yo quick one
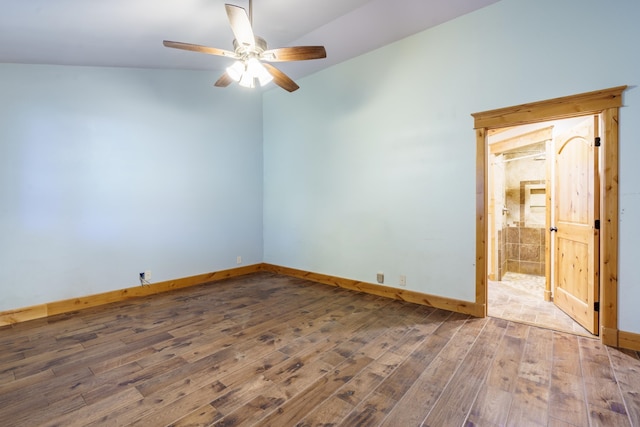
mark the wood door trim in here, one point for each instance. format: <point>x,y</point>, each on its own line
<point>609,229</point>
<point>482,212</point>
<point>521,140</point>
<point>565,107</point>
<point>547,223</point>
<point>605,102</point>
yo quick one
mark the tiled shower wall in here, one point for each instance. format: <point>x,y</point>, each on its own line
<point>525,250</point>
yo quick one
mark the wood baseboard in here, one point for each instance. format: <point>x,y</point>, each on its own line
<point>65,306</point>
<point>609,336</point>
<point>629,340</point>
<point>444,303</point>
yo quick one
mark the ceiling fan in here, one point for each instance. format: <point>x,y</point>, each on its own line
<point>252,55</point>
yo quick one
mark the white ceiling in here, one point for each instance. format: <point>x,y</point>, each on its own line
<point>129,33</point>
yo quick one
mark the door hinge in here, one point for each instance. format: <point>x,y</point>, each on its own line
<point>597,141</point>
<point>597,224</point>
<point>596,307</point>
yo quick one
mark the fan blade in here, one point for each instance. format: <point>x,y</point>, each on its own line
<point>296,53</point>
<point>281,79</point>
<point>224,80</point>
<point>241,26</point>
<point>198,48</point>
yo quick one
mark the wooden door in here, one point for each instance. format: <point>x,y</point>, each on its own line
<point>576,289</point>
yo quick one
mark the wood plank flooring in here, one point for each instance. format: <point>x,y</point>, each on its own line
<point>270,350</point>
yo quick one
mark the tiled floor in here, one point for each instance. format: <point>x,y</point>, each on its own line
<point>520,298</point>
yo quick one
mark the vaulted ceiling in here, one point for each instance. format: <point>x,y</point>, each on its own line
<point>129,33</point>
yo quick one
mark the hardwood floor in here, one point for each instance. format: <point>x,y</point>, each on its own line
<point>272,350</point>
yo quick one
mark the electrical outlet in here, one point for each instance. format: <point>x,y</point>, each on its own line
<point>380,277</point>
<point>238,259</point>
<point>403,280</point>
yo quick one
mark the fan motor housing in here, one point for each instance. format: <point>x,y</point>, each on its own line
<point>260,46</point>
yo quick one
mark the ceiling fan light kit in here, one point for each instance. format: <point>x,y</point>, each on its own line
<point>250,51</point>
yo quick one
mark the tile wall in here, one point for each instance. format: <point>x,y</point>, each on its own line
<point>525,250</point>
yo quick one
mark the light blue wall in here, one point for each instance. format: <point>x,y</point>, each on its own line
<point>371,165</point>
<point>108,172</point>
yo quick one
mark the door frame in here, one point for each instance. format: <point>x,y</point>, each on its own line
<point>605,102</point>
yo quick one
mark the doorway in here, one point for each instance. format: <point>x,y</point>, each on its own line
<point>522,260</point>
<point>606,103</point>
